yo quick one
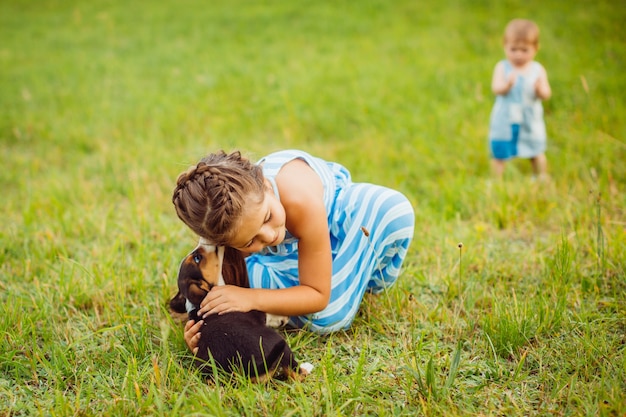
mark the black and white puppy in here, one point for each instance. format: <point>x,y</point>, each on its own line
<point>236,341</point>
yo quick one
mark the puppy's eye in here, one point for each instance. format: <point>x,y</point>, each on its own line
<point>197,258</point>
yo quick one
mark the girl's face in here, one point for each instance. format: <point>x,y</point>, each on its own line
<point>519,53</point>
<point>262,224</point>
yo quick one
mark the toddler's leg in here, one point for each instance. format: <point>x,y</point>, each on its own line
<point>540,166</point>
<point>497,167</point>
<point>503,150</point>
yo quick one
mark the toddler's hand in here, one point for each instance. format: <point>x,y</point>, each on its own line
<point>542,88</point>
<point>538,83</point>
<point>511,79</point>
<point>192,335</point>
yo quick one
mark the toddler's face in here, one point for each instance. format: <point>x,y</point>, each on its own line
<point>262,224</point>
<point>519,53</point>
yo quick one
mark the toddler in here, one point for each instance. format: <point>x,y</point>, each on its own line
<point>517,128</point>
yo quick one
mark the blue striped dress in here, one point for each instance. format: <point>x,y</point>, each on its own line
<point>370,227</point>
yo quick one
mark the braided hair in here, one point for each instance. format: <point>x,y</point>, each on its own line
<point>210,197</point>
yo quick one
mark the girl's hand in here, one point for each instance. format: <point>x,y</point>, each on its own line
<point>226,299</point>
<point>192,335</point>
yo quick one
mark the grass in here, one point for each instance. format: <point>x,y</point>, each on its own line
<point>103,103</point>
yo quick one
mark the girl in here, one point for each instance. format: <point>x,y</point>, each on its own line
<point>315,240</point>
<point>517,128</point>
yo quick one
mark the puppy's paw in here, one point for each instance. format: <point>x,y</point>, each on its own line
<point>306,368</point>
<point>276,322</point>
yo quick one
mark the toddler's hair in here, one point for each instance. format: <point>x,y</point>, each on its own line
<point>522,30</point>
<point>210,197</point>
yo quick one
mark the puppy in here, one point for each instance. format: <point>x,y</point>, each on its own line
<point>236,341</point>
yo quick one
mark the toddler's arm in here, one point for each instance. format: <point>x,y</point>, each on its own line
<point>501,84</point>
<point>542,86</point>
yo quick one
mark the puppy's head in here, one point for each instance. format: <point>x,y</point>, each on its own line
<point>200,271</point>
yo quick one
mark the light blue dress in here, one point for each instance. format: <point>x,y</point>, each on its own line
<point>516,127</point>
<point>370,229</point>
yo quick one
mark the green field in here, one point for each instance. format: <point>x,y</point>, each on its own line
<point>103,103</point>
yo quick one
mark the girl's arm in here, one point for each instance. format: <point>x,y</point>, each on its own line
<point>500,84</point>
<point>302,196</point>
<point>542,86</point>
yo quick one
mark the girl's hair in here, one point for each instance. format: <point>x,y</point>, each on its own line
<point>522,30</point>
<point>210,197</point>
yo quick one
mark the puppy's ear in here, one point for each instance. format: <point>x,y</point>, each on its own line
<point>234,269</point>
<point>177,303</point>
<point>196,293</point>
